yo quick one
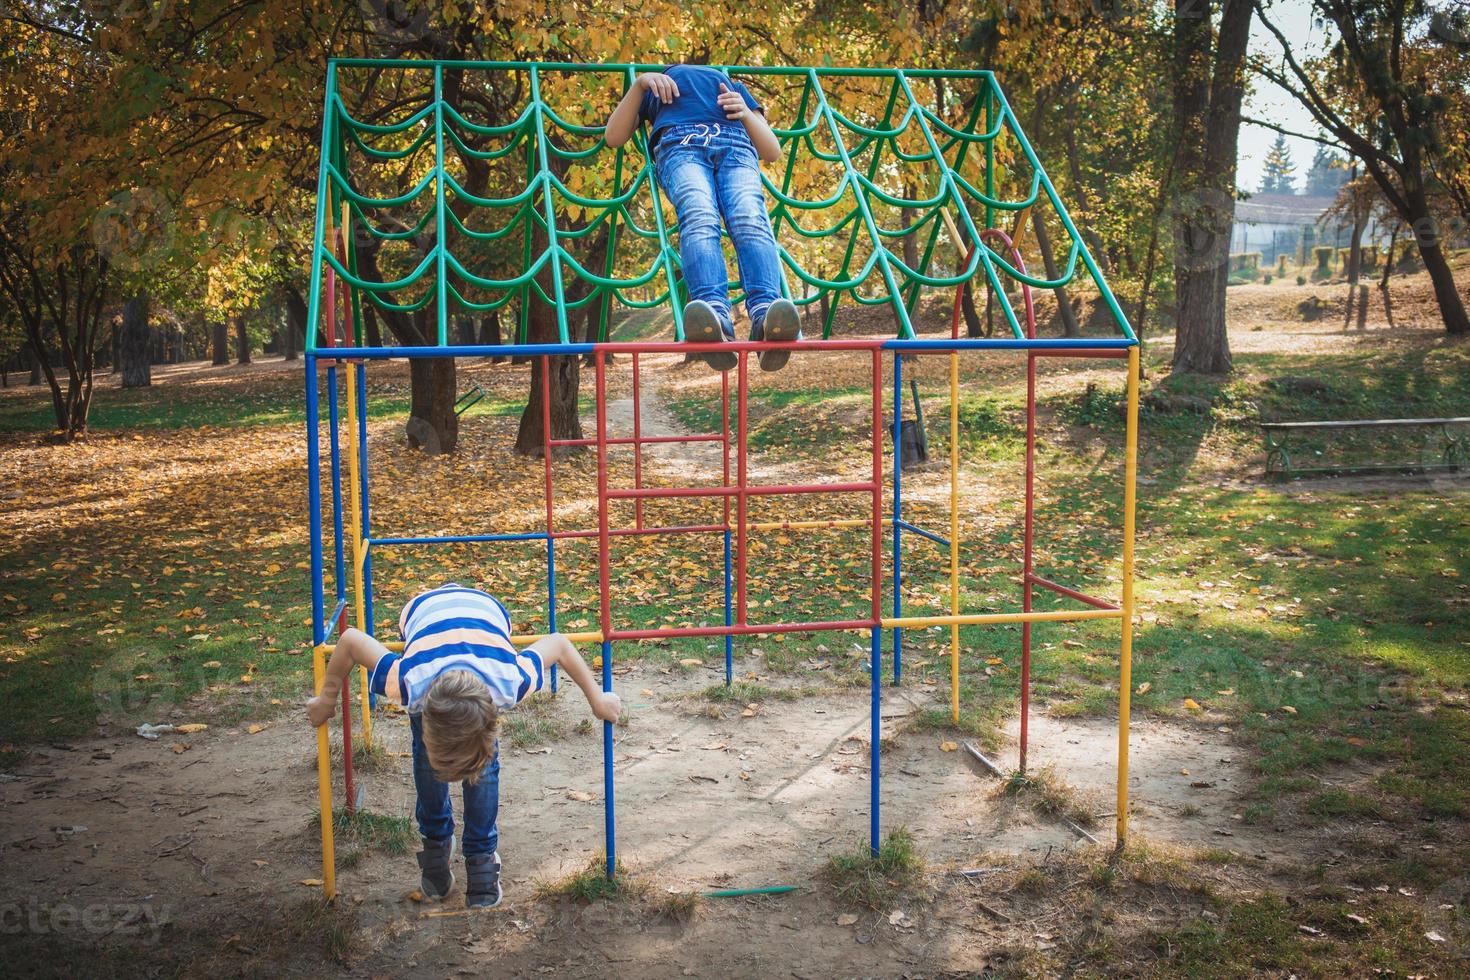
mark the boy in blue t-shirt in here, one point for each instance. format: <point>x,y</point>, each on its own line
<point>457,672</point>
<point>708,137</point>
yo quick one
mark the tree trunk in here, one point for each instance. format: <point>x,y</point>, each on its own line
<point>242,339</point>
<point>133,343</point>
<point>432,425</point>
<point>220,341</point>
<point>1430,241</point>
<point>35,377</point>
<point>490,334</point>
<point>565,381</point>
<point>1209,85</point>
<point>1070,327</point>
<point>370,325</point>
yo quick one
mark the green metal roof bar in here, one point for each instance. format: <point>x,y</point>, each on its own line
<point>1056,201</point>
<point>441,232</point>
<point>948,177</point>
<point>543,178</point>
<point>314,299</point>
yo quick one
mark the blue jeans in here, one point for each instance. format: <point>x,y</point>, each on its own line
<point>708,176</point>
<point>481,801</point>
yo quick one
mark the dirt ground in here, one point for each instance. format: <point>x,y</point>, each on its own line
<point>706,798</point>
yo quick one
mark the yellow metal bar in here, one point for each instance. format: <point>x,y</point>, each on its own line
<point>396,646</point>
<point>359,546</point>
<point>324,781</point>
<point>954,532</point>
<point>1125,669</point>
<point>984,619</point>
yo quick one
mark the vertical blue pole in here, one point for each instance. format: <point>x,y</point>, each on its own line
<point>877,720</point>
<point>897,514</point>
<point>368,624</point>
<point>609,815</point>
<point>314,499</point>
<point>551,596</point>
<point>729,639</point>
<point>336,443</point>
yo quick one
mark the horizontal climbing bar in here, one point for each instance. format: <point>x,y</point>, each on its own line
<point>985,619</point>
<point>654,493</point>
<point>396,646</point>
<point>1070,593</point>
<point>739,629</point>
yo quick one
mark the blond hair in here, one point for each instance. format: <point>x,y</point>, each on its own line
<point>460,722</point>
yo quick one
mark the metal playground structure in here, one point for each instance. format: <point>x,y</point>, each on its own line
<point>864,131</point>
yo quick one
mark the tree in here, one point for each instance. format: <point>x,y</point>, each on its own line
<point>1277,178</point>
<point>1373,92</point>
<point>1327,173</point>
<point>1208,86</point>
<point>135,343</point>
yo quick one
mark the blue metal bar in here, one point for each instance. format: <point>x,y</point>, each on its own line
<point>334,439</point>
<point>923,533</point>
<point>609,810</point>
<point>551,596</point>
<point>459,539</point>
<point>729,638</point>
<point>336,616</point>
<point>314,499</point>
<point>897,515</point>
<point>875,726</point>
<point>937,344</point>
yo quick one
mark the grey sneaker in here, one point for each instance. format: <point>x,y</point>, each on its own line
<point>702,326</point>
<point>782,325</point>
<point>436,877</point>
<point>482,885</point>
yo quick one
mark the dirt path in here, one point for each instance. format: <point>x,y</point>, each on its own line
<point>707,797</point>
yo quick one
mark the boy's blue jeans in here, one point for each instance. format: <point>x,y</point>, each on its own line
<point>436,818</point>
<point>708,175</point>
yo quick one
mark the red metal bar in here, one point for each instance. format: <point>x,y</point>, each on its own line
<point>351,801</point>
<point>1028,559</point>
<point>623,531</point>
<point>725,436</point>
<point>1081,597</point>
<point>738,492</point>
<point>604,576</point>
<point>637,446</point>
<point>546,434</point>
<point>742,392</point>
<point>877,488</point>
<point>649,441</point>
<point>736,346</point>
<point>739,629</point>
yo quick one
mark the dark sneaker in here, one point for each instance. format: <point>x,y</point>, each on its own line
<point>482,889</point>
<point>782,325</point>
<point>436,877</point>
<point>702,326</point>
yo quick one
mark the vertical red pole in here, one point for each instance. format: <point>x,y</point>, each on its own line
<point>637,446</point>
<point>741,393</point>
<point>877,612</point>
<point>546,432</point>
<point>725,433</point>
<point>1028,560</point>
<point>604,575</point>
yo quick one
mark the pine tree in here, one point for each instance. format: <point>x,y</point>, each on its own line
<point>1328,173</point>
<point>1279,168</point>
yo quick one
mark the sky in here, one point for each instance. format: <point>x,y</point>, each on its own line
<point>1266,101</point>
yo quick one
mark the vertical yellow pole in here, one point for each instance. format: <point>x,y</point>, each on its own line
<point>359,549</point>
<point>359,546</point>
<point>954,534</point>
<point>1125,670</point>
<point>324,781</point>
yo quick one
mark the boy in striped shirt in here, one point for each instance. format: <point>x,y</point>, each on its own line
<point>458,670</point>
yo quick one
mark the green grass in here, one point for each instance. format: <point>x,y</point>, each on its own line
<point>591,884</point>
<point>532,723</point>
<point>364,830</point>
<point>876,881</point>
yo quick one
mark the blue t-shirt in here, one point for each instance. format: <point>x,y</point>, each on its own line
<point>699,86</point>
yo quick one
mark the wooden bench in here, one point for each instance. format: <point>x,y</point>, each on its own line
<point>1453,450</point>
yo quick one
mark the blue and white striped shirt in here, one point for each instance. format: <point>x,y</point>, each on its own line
<point>456,628</point>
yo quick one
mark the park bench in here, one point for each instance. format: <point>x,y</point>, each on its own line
<point>1452,450</point>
